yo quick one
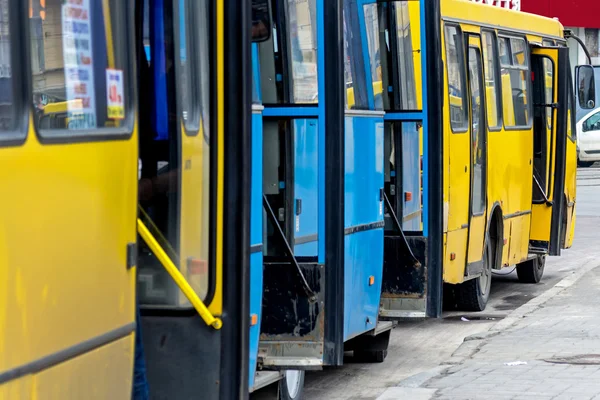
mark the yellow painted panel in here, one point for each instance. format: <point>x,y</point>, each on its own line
<point>454,270</point>
<point>506,247</point>
<point>105,373</point>
<point>519,239</point>
<point>476,238</point>
<point>18,389</point>
<point>541,231</point>
<point>570,185</point>
<point>216,306</point>
<point>67,214</point>
<point>571,227</point>
<point>414,13</point>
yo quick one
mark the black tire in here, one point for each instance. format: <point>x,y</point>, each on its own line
<point>531,271</point>
<point>291,389</point>
<point>584,164</point>
<point>370,356</point>
<point>473,294</point>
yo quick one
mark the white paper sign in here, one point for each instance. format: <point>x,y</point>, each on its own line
<point>79,65</point>
<point>115,96</point>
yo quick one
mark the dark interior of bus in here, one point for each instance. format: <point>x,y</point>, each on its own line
<point>159,140</point>
<point>542,124</point>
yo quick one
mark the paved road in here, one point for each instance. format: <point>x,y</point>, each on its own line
<point>417,347</point>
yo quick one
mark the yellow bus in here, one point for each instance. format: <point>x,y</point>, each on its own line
<point>69,245</point>
<point>509,166</point>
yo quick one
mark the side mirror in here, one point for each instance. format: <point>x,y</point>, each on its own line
<point>586,87</point>
<point>261,20</point>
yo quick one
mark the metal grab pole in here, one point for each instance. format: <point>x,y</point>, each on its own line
<point>179,279</point>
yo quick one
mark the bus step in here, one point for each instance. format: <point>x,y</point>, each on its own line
<point>265,378</point>
<point>283,363</point>
<point>382,326</point>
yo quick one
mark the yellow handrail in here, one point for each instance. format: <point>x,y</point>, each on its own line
<point>179,279</point>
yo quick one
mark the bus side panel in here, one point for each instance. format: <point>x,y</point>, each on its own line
<point>456,247</point>
<point>256,254</point>
<point>17,389</point>
<point>364,179</point>
<point>68,214</point>
<point>306,177</point>
<point>570,189</point>
<point>72,380</point>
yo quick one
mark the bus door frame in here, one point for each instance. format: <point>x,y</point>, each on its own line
<point>549,212</point>
<point>477,237</point>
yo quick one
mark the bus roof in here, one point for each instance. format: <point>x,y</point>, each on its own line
<point>501,18</point>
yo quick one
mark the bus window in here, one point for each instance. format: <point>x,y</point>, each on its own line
<point>356,88</point>
<point>372,30</point>
<point>407,57</point>
<point>456,79</point>
<point>478,135</point>
<point>7,112</point>
<point>492,88</point>
<point>289,57</point>
<point>194,74</point>
<point>78,65</point>
<point>516,101</point>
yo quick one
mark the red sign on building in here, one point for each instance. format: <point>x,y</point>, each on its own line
<point>575,13</point>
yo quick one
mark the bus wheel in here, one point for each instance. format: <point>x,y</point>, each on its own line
<point>370,356</point>
<point>291,386</point>
<point>531,271</point>
<point>473,295</point>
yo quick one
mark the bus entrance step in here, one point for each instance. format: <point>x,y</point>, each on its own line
<point>265,378</point>
<point>283,363</point>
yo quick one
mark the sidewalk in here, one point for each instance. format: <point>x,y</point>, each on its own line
<point>553,345</point>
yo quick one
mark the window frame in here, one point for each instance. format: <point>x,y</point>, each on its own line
<point>511,35</point>
<point>497,76</point>
<point>358,69</point>
<point>192,128</point>
<point>211,139</point>
<point>482,131</point>
<point>123,132</point>
<point>19,54</point>
<point>463,77</point>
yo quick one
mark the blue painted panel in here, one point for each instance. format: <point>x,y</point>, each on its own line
<point>256,289</point>
<point>424,85</point>
<point>306,175</point>
<point>363,250</point>
<point>363,258</point>
<point>364,170</point>
<point>411,176</point>
<point>256,206</point>
<point>256,236</point>
<point>306,111</point>
<point>306,249</point>
<point>160,107</point>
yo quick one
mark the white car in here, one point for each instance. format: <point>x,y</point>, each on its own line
<point>588,139</point>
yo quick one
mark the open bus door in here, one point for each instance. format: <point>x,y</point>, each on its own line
<point>551,114</point>
<point>193,256</point>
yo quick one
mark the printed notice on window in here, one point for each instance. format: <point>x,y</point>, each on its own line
<point>78,62</point>
<point>115,97</point>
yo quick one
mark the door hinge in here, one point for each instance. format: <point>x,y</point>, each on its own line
<point>131,255</point>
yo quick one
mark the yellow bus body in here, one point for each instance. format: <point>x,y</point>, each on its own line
<point>509,167</point>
